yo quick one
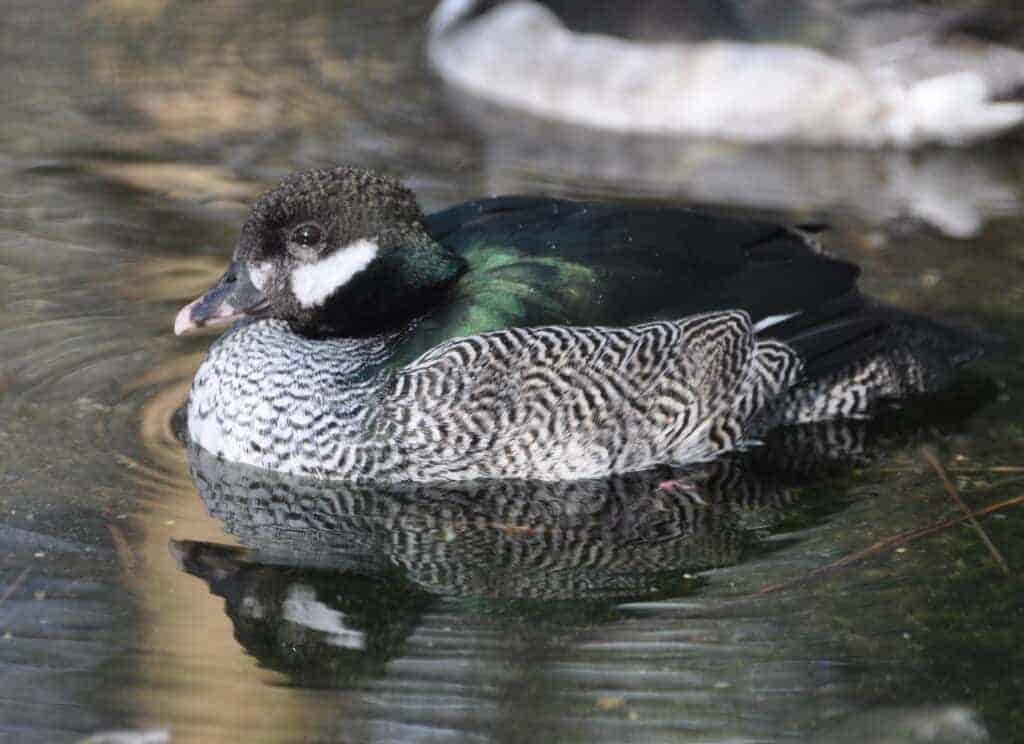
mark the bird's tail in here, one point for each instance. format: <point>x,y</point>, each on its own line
<point>855,361</point>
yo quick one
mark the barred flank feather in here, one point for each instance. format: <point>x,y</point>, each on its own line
<point>551,403</point>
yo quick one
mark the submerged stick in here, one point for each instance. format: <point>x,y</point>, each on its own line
<point>890,542</point>
<point>954,494</point>
<point>961,469</point>
<point>15,584</point>
<point>122,549</point>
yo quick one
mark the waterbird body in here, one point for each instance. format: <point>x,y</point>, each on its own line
<point>530,338</point>
<point>901,73</point>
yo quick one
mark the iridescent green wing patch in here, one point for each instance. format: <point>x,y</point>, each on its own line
<point>505,287</point>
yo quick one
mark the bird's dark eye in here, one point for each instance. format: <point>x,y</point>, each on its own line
<point>308,235</point>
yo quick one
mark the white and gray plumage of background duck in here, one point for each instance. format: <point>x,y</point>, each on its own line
<point>853,72</point>
<point>529,337</point>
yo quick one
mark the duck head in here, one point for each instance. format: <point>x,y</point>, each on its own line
<point>334,252</point>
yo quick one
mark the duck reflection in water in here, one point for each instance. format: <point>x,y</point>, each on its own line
<point>333,577</point>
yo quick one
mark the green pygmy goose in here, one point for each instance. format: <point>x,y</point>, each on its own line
<point>530,338</point>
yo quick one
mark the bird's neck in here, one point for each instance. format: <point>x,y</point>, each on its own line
<point>398,288</point>
<point>267,396</point>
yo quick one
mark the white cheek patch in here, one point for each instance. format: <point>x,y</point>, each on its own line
<point>314,283</point>
<point>259,274</point>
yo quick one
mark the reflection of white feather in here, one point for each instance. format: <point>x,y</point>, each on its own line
<point>519,54</point>
<point>303,608</point>
<point>314,283</point>
<point>954,190</point>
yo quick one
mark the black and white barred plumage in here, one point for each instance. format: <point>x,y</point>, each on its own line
<point>547,403</point>
<point>531,338</point>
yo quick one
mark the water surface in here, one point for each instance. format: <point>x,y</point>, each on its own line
<point>144,588</point>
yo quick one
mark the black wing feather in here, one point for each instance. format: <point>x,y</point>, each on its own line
<point>658,262</point>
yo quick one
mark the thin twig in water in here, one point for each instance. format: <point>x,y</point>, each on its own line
<point>122,549</point>
<point>15,584</point>
<point>954,494</point>
<point>890,542</point>
<point>965,470</point>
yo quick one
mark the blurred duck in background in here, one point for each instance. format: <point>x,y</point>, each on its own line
<point>955,191</point>
<point>864,73</point>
